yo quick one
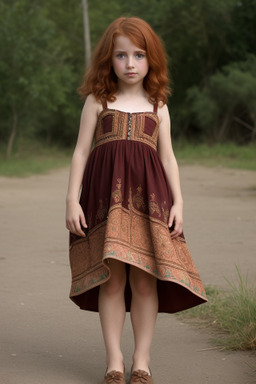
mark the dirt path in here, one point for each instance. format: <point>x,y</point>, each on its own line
<point>46,339</point>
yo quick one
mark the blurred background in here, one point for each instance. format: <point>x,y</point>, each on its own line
<point>212,64</point>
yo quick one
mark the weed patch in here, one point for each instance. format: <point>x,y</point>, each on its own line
<point>232,313</point>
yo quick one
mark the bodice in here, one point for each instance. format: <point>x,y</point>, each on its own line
<point>118,125</point>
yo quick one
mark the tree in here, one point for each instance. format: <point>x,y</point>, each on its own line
<point>225,107</point>
<point>87,39</point>
<point>31,70</point>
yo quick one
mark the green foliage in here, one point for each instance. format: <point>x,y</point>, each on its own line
<point>203,37</point>
<point>102,13</point>
<point>232,311</point>
<point>225,107</point>
<point>34,82</point>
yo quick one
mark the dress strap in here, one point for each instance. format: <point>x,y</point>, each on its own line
<point>104,103</point>
<point>155,107</point>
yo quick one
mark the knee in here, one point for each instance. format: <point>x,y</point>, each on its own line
<point>143,285</point>
<point>115,285</point>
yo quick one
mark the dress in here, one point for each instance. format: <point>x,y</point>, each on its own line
<point>126,200</point>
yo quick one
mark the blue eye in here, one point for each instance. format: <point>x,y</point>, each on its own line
<point>140,55</point>
<point>120,55</point>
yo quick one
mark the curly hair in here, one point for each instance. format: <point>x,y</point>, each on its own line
<point>100,78</point>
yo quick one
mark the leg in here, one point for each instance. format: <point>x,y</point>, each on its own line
<point>112,314</point>
<point>144,308</point>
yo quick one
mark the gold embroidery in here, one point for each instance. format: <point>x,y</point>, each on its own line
<point>153,206</point>
<point>165,212</point>
<point>138,200</point>
<point>117,194</point>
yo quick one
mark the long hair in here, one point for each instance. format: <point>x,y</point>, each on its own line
<point>100,78</point>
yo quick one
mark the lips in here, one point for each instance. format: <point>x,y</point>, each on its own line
<point>130,74</point>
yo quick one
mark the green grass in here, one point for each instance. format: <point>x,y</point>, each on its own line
<point>34,159</point>
<point>226,155</point>
<point>231,313</point>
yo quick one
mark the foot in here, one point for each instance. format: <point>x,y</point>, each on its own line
<point>142,377</point>
<point>114,377</point>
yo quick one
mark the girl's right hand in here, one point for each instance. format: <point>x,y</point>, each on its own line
<point>75,218</point>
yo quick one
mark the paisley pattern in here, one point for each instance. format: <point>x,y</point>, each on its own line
<point>126,200</point>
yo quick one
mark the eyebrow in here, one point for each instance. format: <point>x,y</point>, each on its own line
<point>122,51</point>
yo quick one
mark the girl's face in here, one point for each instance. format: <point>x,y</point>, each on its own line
<point>129,62</point>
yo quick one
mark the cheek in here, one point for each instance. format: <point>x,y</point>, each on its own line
<point>117,65</point>
<point>145,66</point>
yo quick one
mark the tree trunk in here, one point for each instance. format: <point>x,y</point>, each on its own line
<point>87,39</point>
<point>253,117</point>
<point>13,132</point>
<point>223,131</point>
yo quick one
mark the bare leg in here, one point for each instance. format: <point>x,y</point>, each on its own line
<point>144,308</point>
<point>112,314</point>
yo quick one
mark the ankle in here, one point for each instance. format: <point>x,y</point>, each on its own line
<point>115,364</point>
<point>141,363</point>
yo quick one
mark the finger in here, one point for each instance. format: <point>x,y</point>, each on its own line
<point>178,227</point>
<point>177,231</point>
<point>75,228</point>
<point>83,221</point>
<point>170,221</point>
<point>79,230</point>
<point>174,234</point>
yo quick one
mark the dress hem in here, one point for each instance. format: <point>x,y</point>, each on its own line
<point>98,284</point>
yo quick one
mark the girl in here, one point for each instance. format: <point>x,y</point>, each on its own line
<point>127,249</point>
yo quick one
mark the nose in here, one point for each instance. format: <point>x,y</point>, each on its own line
<point>130,63</point>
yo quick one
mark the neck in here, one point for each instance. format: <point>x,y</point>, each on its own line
<point>132,90</point>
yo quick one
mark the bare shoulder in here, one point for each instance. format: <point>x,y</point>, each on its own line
<point>90,113</point>
<point>163,114</point>
<point>92,105</point>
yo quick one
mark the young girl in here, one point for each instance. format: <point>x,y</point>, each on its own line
<point>124,202</point>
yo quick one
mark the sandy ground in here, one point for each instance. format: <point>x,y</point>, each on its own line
<point>45,338</point>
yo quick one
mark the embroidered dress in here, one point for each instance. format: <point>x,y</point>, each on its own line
<point>126,200</point>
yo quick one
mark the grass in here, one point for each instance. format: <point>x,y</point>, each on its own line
<point>226,155</point>
<point>34,159</point>
<point>231,313</point>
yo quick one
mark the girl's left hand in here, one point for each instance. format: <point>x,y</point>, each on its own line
<point>176,218</point>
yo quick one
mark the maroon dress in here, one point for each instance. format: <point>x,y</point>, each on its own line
<point>126,200</point>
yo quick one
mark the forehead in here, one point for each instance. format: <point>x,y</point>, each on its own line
<point>124,43</point>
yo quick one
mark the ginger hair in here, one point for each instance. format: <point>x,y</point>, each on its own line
<point>100,78</point>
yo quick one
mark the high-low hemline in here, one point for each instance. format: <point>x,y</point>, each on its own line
<point>126,200</point>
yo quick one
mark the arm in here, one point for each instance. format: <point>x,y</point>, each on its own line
<point>171,168</point>
<point>74,213</point>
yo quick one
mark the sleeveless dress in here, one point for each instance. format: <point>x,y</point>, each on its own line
<point>126,200</point>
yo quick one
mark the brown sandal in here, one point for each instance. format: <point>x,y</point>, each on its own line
<point>114,377</point>
<point>142,377</point>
